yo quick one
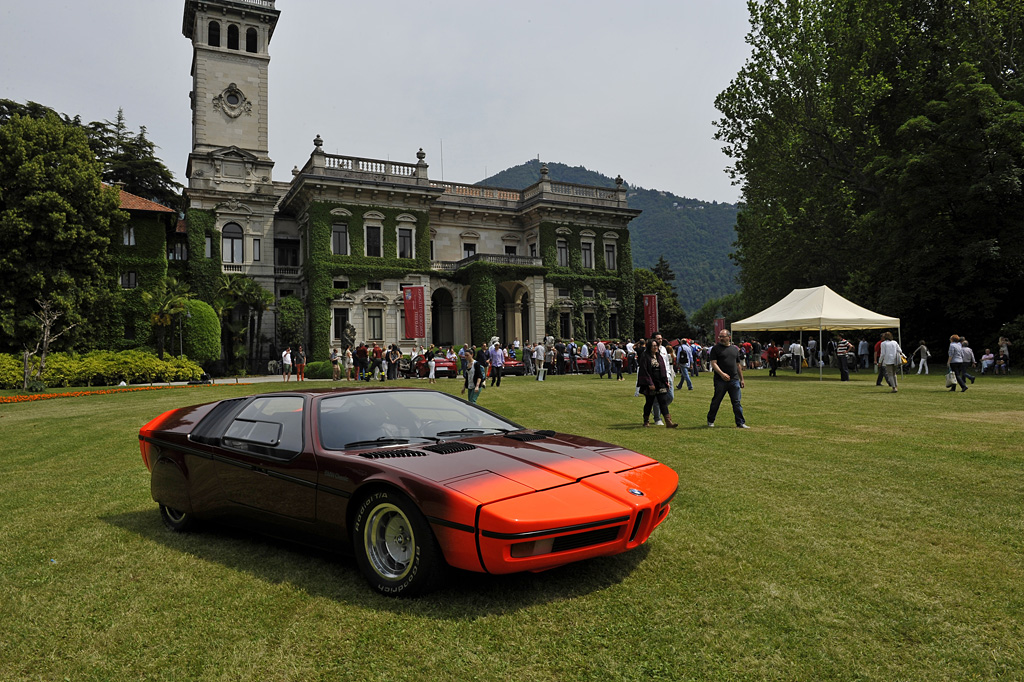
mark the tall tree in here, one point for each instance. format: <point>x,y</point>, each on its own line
<point>663,271</point>
<point>874,141</point>
<point>166,302</point>
<point>671,316</point>
<point>56,226</point>
<point>130,159</point>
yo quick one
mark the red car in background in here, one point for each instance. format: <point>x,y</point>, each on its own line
<point>585,365</point>
<point>443,367</point>
<point>514,368</point>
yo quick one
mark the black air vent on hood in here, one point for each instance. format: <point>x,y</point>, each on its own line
<point>382,454</point>
<point>449,448</point>
<point>526,436</point>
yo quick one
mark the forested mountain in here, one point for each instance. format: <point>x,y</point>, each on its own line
<point>694,236</point>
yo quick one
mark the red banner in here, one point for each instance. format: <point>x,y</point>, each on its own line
<point>650,315</point>
<point>415,316</point>
<point>719,325</point>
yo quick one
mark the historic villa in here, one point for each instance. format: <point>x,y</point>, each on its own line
<point>345,234</point>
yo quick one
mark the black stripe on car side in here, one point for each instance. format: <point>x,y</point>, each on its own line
<point>333,491</point>
<point>233,462</point>
<point>451,524</point>
<point>479,552</point>
<point>552,531</point>
<point>178,446</point>
<point>291,479</point>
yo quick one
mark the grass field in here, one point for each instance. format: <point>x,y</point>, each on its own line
<point>850,534</point>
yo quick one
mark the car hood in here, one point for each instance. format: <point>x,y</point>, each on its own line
<point>496,467</point>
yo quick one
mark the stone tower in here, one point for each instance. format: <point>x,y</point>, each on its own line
<point>229,169</point>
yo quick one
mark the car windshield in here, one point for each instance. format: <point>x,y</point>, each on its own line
<point>362,420</point>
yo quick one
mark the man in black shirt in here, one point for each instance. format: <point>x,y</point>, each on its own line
<point>559,357</point>
<point>725,367</point>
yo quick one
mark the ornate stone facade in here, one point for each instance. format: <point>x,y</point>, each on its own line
<point>345,234</point>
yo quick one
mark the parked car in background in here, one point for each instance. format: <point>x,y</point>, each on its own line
<point>443,367</point>
<point>514,368</point>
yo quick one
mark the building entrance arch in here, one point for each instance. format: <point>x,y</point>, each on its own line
<point>442,317</point>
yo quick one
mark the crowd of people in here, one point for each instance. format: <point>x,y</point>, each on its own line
<point>656,364</point>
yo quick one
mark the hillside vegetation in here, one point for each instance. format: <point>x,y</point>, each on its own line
<point>694,236</point>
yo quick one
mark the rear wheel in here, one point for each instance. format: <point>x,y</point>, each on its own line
<point>178,521</point>
<point>394,546</point>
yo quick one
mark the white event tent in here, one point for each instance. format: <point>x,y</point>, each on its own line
<point>818,308</point>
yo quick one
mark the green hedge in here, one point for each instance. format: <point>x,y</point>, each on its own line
<point>100,368</point>
<point>202,332</point>
<point>320,369</point>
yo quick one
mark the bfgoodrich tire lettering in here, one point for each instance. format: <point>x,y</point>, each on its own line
<point>394,546</point>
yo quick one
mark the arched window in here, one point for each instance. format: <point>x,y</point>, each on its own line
<point>232,37</point>
<point>213,34</point>
<point>231,244</point>
<point>250,40</point>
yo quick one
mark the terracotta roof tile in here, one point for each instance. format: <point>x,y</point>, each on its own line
<point>130,202</point>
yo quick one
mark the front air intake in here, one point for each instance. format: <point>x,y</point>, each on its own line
<point>637,524</point>
<point>591,537</point>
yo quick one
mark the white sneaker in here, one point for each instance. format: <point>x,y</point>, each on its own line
<point>742,426</point>
<point>659,423</point>
<point>711,425</point>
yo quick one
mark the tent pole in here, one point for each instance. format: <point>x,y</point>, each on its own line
<point>817,350</point>
<point>899,333</point>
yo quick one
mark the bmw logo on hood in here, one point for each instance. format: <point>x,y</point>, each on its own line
<point>634,491</point>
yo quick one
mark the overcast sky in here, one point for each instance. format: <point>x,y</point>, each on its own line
<point>619,87</point>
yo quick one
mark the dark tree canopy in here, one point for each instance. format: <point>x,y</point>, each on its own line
<point>56,226</point>
<point>671,316</point>
<point>880,148</point>
<point>131,159</point>
<point>127,158</point>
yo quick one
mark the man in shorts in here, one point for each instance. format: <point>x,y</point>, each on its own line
<point>286,363</point>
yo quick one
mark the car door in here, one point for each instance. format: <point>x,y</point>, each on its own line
<point>263,466</point>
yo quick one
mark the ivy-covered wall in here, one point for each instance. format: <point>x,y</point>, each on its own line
<point>575,277</point>
<point>202,273</point>
<point>147,258</point>
<point>321,267</point>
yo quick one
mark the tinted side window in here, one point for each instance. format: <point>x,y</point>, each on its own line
<point>270,425</point>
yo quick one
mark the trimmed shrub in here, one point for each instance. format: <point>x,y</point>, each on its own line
<point>319,370</point>
<point>202,333</point>
<point>101,368</point>
<point>10,371</point>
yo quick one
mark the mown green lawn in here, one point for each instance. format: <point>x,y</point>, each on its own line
<point>850,534</point>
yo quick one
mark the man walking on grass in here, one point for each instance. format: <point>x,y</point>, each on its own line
<point>728,374</point>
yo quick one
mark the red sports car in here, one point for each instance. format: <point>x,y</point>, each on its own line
<point>513,368</point>
<point>413,480</point>
<point>585,365</point>
<point>443,367</point>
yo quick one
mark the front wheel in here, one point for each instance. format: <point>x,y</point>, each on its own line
<point>178,521</point>
<point>394,546</point>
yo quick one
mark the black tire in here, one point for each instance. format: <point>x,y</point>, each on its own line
<point>178,521</point>
<point>394,546</point>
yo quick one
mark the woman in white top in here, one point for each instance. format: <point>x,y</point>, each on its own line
<point>348,363</point>
<point>889,357</point>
